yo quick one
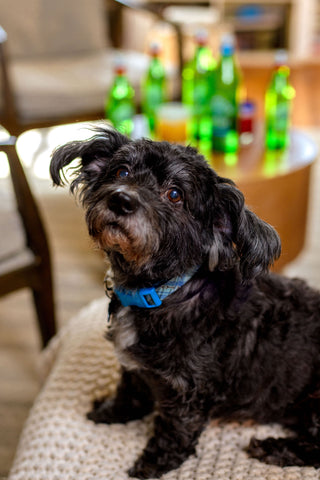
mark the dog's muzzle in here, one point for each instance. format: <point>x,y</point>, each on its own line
<point>122,202</point>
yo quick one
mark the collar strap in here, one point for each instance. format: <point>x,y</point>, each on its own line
<point>152,297</point>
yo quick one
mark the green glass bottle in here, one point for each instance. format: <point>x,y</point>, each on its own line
<point>153,90</point>
<point>197,89</point>
<point>120,107</point>
<point>278,102</point>
<point>224,102</point>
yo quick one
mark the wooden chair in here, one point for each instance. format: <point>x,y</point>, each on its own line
<point>24,251</point>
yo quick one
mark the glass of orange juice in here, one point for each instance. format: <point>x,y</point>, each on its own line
<point>172,122</point>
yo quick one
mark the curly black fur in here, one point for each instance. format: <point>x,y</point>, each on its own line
<point>235,342</point>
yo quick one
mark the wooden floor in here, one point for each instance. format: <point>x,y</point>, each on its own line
<point>79,270</point>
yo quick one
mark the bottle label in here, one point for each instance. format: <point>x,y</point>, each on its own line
<point>154,95</point>
<point>282,116</point>
<point>223,115</point>
<point>122,118</point>
<point>122,112</point>
<point>201,93</point>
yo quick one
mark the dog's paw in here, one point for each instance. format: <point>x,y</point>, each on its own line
<point>103,411</point>
<point>275,451</point>
<point>144,470</point>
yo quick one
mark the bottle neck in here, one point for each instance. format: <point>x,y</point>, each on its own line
<point>199,53</point>
<point>228,71</point>
<point>120,74</point>
<point>282,70</point>
<point>227,56</point>
<point>281,76</point>
<point>155,57</point>
<point>120,70</point>
<point>204,61</point>
<point>155,61</point>
<point>156,68</point>
<point>122,88</point>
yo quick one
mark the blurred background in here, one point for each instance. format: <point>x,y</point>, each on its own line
<point>57,70</point>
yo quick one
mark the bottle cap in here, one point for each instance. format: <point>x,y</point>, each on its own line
<point>281,58</point>
<point>201,37</point>
<point>155,49</point>
<point>227,44</point>
<point>119,66</point>
<point>247,108</point>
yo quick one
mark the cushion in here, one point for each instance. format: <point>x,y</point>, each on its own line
<point>58,442</point>
<point>71,85</point>
<point>47,28</point>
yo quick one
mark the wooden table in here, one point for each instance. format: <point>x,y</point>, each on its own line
<point>276,186</point>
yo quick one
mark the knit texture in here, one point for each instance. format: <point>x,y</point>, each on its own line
<point>59,443</point>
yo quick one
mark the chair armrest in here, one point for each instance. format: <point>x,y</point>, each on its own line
<point>8,114</point>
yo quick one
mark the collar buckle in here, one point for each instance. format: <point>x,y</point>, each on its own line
<point>143,298</point>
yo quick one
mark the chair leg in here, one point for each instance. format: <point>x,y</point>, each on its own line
<point>44,302</point>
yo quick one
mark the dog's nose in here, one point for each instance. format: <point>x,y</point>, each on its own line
<point>122,203</point>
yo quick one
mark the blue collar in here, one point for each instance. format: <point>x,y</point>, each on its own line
<point>152,297</point>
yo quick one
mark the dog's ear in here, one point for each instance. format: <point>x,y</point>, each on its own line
<point>241,236</point>
<point>93,154</point>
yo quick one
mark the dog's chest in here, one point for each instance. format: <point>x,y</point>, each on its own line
<point>123,334</point>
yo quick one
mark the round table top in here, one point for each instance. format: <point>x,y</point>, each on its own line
<point>275,183</point>
<point>249,164</point>
<point>254,162</point>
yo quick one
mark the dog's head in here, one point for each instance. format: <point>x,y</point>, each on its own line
<point>158,209</point>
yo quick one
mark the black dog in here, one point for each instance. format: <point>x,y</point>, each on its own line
<point>200,326</point>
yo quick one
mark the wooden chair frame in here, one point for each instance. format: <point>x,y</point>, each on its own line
<point>36,272</point>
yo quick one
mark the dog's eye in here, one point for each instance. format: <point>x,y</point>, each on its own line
<point>122,172</point>
<point>174,195</point>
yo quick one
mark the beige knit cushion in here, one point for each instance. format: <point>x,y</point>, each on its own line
<point>59,443</point>
<point>46,28</point>
<point>71,85</point>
